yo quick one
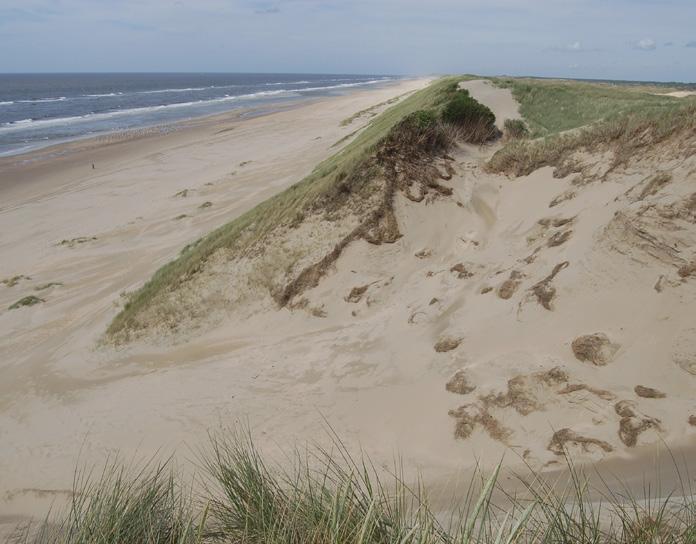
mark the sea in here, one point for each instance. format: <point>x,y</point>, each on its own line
<point>38,110</point>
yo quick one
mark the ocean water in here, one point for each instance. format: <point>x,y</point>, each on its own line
<point>37,110</point>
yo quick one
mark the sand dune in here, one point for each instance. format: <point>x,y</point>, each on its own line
<point>513,317</point>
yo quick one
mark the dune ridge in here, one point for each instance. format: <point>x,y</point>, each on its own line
<point>536,310</point>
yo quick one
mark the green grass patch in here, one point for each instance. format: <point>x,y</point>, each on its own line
<point>553,106</point>
<point>624,133</point>
<point>29,300</point>
<point>14,280</point>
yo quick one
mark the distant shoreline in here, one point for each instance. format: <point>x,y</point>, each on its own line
<point>12,163</point>
<point>63,108</point>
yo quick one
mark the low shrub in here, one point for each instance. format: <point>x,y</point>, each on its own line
<point>418,132</point>
<point>463,111</point>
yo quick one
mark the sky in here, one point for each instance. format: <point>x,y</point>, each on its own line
<point>649,40</point>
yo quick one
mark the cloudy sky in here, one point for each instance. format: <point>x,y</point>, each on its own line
<point>617,39</point>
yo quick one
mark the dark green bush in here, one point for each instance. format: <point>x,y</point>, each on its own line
<point>463,111</point>
<point>422,119</point>
<point>418,132</point>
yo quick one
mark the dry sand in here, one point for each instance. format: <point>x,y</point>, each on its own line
<point>680,94</point>
<point>534,353</point>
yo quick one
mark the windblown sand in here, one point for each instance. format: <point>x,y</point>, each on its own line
<point>562,312</point>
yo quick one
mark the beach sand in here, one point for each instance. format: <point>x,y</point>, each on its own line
<point>469,339</point>
<point>100,232</point>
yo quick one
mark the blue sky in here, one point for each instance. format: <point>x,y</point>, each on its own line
<point>617,39</point>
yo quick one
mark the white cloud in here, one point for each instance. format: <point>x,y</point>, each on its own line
<point>646,44</point>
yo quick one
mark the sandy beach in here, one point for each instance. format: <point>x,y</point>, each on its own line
<point>514,318</point>
<point>62,397</point>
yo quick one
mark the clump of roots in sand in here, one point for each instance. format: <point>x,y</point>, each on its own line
<point>574,387</point>
<point>461,271</point>
<point>632,425</point>
<point>649,392</point>
<point>687,270</point>
<point>594,348</point>
<point>521,395</point>
<point>509,286</point>
<point>544,290</point>
<point>471,416</point>
<point>447,343</point>
<point>459,384</point>
<point>560,440</point>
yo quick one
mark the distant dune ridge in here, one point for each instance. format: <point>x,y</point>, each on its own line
<point>448,292</point>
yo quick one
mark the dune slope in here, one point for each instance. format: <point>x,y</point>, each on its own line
<point>541,313</point>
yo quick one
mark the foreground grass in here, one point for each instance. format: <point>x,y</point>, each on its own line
<point>330,497</point>
<point>122,505</point>
<point>316,192</point>
<point>553,106</point>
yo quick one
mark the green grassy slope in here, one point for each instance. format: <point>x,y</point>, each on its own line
<point>553,106</point>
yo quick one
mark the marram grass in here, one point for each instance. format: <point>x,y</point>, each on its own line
<point>331,497</point>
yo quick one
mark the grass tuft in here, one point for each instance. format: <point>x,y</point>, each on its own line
<point>121,506</point>
<point>516,129</point>
<point>29,300</point>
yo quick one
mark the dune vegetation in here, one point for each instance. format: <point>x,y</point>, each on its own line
<point>333,497</point>
<point>623,133</point>
<point>329,496</point>
<point>553,106</point>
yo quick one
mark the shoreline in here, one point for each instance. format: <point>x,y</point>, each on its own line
<point>236,113</point>
<point>19,169</point>
<point>93,235</point>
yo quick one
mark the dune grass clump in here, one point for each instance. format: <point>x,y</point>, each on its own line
<point>329,496</point>
<point>516,129</point>
<point>121,505</point>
